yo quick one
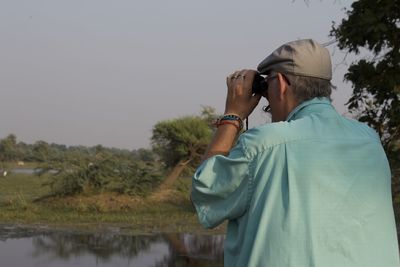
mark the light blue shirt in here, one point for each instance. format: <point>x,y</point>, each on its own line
<point>313,191</point>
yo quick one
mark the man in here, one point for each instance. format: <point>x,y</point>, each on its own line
<point>310,189</point>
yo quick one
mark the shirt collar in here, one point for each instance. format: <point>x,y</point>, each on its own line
<point>305,107</point>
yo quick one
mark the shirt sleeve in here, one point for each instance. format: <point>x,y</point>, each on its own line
<point>220,188</point>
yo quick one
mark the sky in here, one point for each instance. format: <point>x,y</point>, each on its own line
<point>88,72</point>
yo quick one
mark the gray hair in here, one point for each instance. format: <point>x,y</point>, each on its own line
<point>306,88</point>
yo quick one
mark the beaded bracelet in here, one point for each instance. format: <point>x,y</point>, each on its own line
<point>228,122</point>
<point>230,118</point>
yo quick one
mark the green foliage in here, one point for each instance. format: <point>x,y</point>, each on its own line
<point>41,150</point>
<point>77,169</point>
<point>8,148</point>
<point>143,154</point>
<point>137,178</point>
<point>375,26</point>
<point>183,139</point>
<point>103,173</point>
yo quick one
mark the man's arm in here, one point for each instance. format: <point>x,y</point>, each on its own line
<point>222,141</point>
<point>239,102</point>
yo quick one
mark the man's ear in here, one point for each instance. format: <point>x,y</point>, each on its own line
<point>282,86</point>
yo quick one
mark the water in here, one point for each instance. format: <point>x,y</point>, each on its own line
<point>28,171</point>
<point>34,247</point>
<point>24,171</point>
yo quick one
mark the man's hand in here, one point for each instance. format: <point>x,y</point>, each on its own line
<point>240,100</point>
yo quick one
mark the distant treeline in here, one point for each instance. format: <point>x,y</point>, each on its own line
<point>78,169</point>
<point>177,147</point>
<point>11,151</point>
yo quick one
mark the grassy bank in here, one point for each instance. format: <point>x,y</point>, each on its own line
<point>171,213</point>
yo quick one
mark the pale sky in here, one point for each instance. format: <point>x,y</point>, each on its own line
<point>88,72</point>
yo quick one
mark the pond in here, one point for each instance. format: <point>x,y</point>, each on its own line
<point>39,246</point>
<point>28,171</point>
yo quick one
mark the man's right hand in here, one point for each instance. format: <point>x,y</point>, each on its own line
<point>240,100</point>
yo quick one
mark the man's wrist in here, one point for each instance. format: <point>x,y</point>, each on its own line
<point>236,124</point>
<point>232,119</point>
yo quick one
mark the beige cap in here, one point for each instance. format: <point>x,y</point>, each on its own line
<point>302,57</point>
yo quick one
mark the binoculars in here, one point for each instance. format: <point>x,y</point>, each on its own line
<point>259,84</point>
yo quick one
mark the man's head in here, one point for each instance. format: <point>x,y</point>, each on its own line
<point>297,71</point>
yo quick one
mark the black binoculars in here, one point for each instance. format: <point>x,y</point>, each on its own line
<point>259,84</point>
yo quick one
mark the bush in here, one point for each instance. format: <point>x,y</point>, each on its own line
<point>104,174</point>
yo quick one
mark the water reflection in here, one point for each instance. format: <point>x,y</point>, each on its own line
<point>43,247</point>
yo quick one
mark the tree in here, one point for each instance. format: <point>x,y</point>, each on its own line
<point>143,154</point>
<point>181,142</point>
<point>41,151</point>
<point>375,26</point>
<point>8,148</point>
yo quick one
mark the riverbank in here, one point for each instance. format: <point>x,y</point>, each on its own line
<point>148,218</point>
<point>19,204</point>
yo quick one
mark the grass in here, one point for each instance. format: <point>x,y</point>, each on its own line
<point>25,186</point>
<point>18,193</point>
